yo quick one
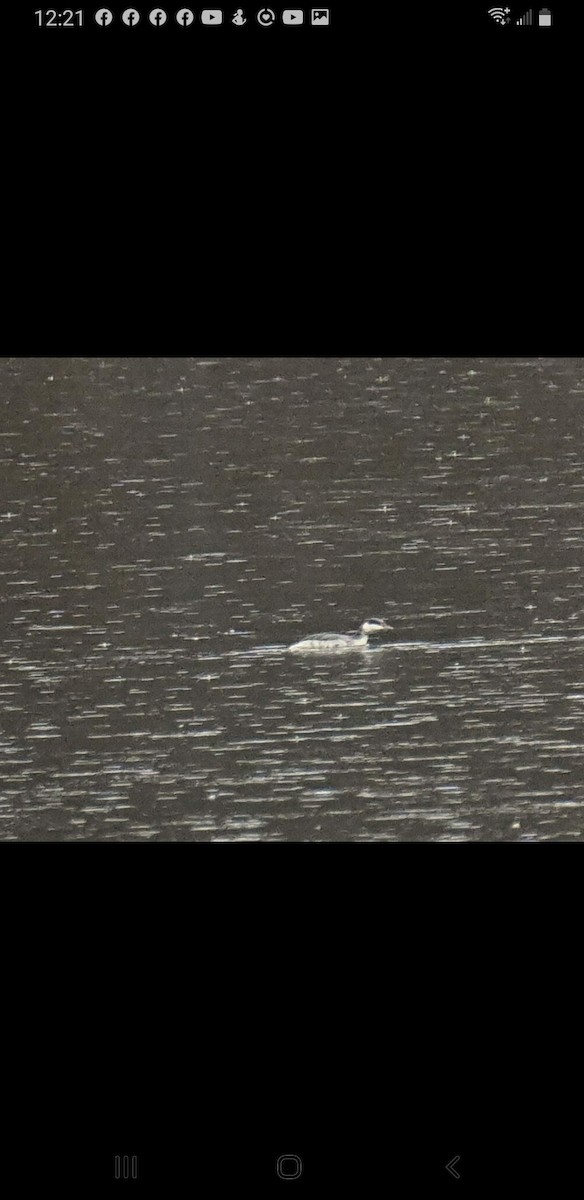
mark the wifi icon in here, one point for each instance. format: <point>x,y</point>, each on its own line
<point>500,15</point>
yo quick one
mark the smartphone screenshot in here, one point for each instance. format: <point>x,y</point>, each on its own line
<point>291,599</point>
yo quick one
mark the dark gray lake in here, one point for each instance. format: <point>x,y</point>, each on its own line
<point>169,526</point>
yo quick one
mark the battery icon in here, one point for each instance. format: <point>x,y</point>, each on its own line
<point>545,16</point>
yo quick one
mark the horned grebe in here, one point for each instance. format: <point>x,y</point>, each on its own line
<point>341,641</point>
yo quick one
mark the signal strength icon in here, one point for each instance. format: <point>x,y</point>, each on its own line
<point>500,15</point>
<point>526,19</point>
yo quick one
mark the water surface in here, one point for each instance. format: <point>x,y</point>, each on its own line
<point>169,526</point>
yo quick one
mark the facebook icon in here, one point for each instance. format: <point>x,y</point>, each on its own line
<point>157,17</point>
<point>131,16</point>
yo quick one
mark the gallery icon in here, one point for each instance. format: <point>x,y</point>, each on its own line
<point>320,16</point>
<point>211,16</point>
<point>266,16</point>
<point>292,16</point>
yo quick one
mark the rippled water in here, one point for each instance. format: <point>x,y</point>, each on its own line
<point>169,526</point>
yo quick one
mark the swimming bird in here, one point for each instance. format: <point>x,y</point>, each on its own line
<point>324,642</point>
